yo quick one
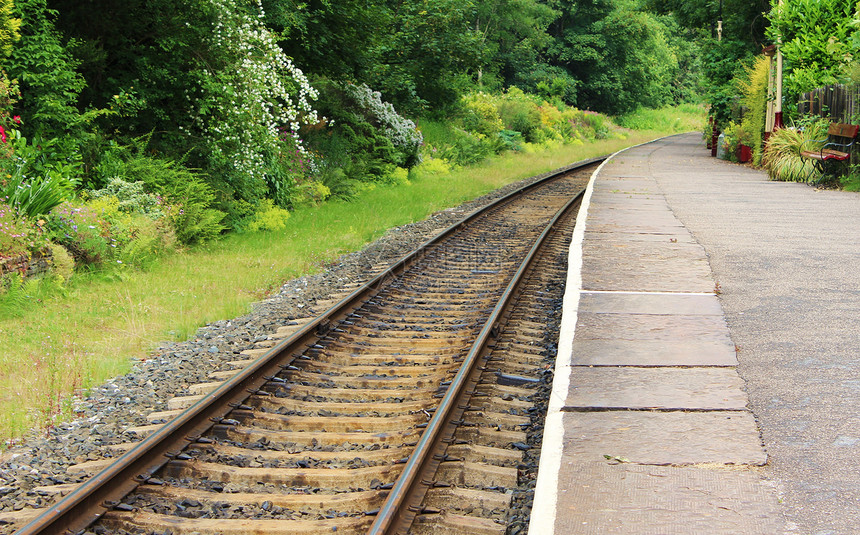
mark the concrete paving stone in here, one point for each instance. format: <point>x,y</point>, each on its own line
<point>624,499</point>
<point>595,326</point>
<point>613,202</point>
<point>637,303</point>
<point>653,353</point>
<point>622,219</point>
<point>642,276</point>
<point>627,186</point>
<point>663,438</point>
<point>678,237</point>
<point>655,388</point>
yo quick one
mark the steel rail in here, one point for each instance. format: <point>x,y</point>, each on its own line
<point>396,513</point>
<point>88,502</point>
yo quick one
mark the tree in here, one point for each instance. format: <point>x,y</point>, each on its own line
<point>819,41</point>
<point>618,53</point>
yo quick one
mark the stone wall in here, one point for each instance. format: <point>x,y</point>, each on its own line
<point>28,266</point>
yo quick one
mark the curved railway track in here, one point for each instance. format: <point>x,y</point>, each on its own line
<point>400,409</point>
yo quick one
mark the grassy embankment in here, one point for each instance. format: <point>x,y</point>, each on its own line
<point>93,332</point>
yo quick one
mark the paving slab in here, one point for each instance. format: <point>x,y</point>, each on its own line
<point>643,303</point>
<point>646,353</point>
<point>663,388</point>
<point>629,499</point>
<point>663,438</point>
<point>595,326</point>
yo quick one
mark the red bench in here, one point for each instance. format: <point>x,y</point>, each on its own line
<point>834,153</point>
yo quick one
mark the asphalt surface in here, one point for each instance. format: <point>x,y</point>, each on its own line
<point>786,258</point>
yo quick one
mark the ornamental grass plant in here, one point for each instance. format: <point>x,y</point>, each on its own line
<point>782,154</point>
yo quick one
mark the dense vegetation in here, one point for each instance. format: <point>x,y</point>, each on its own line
<point>133,128</point>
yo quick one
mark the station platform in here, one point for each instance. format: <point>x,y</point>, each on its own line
<point>651,429</point>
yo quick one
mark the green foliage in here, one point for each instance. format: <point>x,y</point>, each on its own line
<point>81,231</point>
<point>368,139</point>
<point>9,27</point>
<point>102,233</point>
<point>268,217</point>
<point>619,53</point>
<point>32,183</point>
<point>734,136</point>
<point>782,157</point>
<point>191,198</point>
<point>62,263</point>
<point>819,41</point>
<point>131,197</point>
<point>513,37</point>
<point>49,83</point>
<point>18,235</point>
<point>481,114</point>
<point>851,180</point>
<point>521,114</point>
<point>753,89</point>
<point>683,118</point>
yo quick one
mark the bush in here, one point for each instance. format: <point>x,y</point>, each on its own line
<point>62,263</point>
<point>131,197</point>
<point>18,235</point>
<point>367,139</point>
<point>34,181</point>
<point>269,217</point>
<point>193,218</point>
<point>80,230</point>
<point>753,89</point>
<point>481,114</point>
<point>523,116</point>
<point>137,237</point>
<point>735,135</point>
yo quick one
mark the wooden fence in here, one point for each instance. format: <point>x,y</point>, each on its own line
<point>838,102</point>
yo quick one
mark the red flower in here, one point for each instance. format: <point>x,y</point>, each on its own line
<point>2,134</point>
<point>16,119</point>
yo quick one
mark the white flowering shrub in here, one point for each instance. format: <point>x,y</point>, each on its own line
<point>402,132</point>
<point>249,93</point>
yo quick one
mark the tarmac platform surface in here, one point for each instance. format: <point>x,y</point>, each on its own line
<point>707,379</point>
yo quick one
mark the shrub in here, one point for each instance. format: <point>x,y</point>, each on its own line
<point>434,166</point>
<point>34,181</point>
<point>246,90</point>
<point>402,133</point>
<point>193,218</point>
<point>481,114</point>
<point>269,217</point>
<point>137,238</point>
<point>367,139</point>
<point>80,230</point>
<point>753,89</point>
<point>62,263</point>
<point>735,135</point>
<point>131,197</point>
<point>17,234</point>
<point>522,116</point>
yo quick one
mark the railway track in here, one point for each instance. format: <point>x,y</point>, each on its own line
<point>403,408</point>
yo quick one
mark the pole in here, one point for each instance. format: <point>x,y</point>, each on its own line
<point>777,123</point>
<point>720,23</point>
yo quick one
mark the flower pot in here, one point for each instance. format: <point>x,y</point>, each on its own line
<point>743,153</point>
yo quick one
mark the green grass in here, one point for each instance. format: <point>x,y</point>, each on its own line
<point>102,322</point>
<point>683,118</point>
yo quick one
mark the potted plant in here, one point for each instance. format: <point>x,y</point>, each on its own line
<point>738,142</point>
